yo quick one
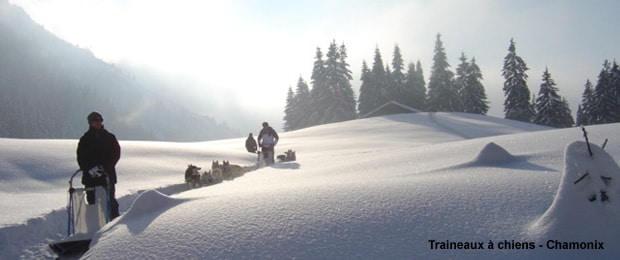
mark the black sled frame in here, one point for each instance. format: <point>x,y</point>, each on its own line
<point>79,232</point>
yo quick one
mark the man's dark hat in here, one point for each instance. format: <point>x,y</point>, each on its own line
<point>93,116</point>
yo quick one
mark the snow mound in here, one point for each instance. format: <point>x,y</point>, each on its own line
<point>150,201</point>
<point>147,207</point>
<point>587,204</point>
<point>492,153</point>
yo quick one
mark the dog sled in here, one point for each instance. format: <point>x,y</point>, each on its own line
<point>288,156</point>
<point>266,158</point>
<point>83,220</point>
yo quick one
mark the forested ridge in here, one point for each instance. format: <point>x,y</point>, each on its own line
<point>48,86</point>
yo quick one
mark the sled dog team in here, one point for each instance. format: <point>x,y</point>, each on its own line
<point>218,173</point>
<point>267,140</point>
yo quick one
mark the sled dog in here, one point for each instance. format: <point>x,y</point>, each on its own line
<point>217,172</point>
<point>232,170</point>
<point>192,176</point>
<point>207,178</point>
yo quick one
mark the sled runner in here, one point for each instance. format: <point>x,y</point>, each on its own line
<point>83,220</point>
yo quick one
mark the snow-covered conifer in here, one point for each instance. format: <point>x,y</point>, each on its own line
<point>332,94</point>
<point>296,112</point>
<point>415,81</point>
<point>289,119</point>
<point>517,104</point>
<point>604,103</point>
<point>442,94</point>
<point>472,93</point>
<point>366,91</point>
<point>551,109</point>
<point>398,79</point>
<point>583,111</point>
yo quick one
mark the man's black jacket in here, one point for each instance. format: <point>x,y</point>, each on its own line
<point>98,147</point>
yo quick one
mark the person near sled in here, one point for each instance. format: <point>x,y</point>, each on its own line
<point>250,144</point>
<point>267,140</point>
<point>98,152</point>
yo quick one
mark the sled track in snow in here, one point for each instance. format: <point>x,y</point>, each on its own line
<point>30,239</point>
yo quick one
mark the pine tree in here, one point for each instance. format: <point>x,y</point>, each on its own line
<point>409,87</point>
<point>473,95</point>
<point>289,119</point>
<point>410,96</point>
<point>302,104</point>
<point>415,79</point>
<point>317,79</point>
<point>374,91</point>
<point>584,109</point>
<point>397,78</point>
<point>367,91</point>
<point>333,96</point>
<point>346,100</point>
<point>442,94</point>
<point>461,80</point>
<point>605,107</point>
<point>615,85</point>
<point>551,109</point>
<point>566,115</point>
<point>296,112</point>
<point>380,81</point>
<point>390,86</point>
<point>517,104</point>
<point>318,67</point>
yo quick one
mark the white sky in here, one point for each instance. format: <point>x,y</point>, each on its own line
<point>254,50</point>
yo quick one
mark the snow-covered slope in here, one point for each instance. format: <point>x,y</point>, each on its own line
<point>30,168</point>
<point>395,187</point>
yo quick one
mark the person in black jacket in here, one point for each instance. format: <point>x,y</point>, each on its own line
<point>98,152</point>
<point>250,144</point>
<point>267,140</point>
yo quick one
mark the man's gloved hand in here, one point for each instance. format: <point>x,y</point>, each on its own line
<point>96,171</point>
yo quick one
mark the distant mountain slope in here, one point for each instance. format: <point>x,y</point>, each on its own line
<point>48,86</point>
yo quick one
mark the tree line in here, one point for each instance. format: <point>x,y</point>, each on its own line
<point>331,98</point>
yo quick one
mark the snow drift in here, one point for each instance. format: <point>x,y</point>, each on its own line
<point>586,207</point>
<point>425,185</point>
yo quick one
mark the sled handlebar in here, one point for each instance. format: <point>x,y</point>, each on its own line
<point>72,176</point>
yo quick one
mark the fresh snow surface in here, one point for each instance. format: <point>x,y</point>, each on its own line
<point>376,188</point>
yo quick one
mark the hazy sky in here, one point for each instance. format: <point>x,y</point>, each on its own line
<point>250,52</point>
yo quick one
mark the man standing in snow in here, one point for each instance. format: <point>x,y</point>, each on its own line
<point>98,152</point>
<point>267,140</point>
<point>250,144</point>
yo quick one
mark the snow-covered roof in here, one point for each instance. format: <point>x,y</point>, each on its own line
<point>389,108</point>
